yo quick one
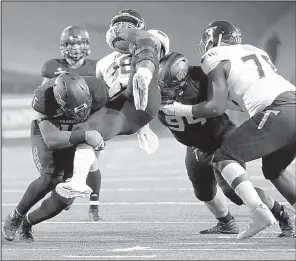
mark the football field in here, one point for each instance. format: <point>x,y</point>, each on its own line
<point>148,208</point>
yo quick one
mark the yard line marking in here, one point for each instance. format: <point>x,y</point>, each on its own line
<point>127,249</point>
<point>134,203</point>
<point>136,189</point>
<point>128,256</point>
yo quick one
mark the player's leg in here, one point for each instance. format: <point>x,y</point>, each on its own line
<point>49,173</point>
<point>49,208</point>
<point>278,210</point>
<point>200,172</point>
<point>94,182</point>
<point>255,138</point>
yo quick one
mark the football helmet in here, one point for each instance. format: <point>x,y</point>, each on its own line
<point>172,76</point>
<point>75,43</point>
<point>217,32</point>
<point>73,96</point>
<point>163,39</point>
<point>128,18</point>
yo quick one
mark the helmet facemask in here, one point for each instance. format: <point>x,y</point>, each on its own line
<point>75,49</point>
<point>126,20</point>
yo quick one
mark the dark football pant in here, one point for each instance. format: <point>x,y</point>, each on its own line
<point>204,181</point>
<point>120,117</point>
<point>270,135</point>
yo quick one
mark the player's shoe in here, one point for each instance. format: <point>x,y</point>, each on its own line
<point>11,225</point>
<point>223,228</point>
<point>262,218</point>
<point>93,213</point>
<point>286,224</point>
<point>25,232</point>
<point>70,189</point>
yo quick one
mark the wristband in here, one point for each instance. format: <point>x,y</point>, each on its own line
<point>77,137</point>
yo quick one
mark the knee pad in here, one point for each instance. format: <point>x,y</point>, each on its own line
<point>66,201</point>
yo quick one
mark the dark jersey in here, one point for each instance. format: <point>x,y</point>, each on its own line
<point>45,103</point>
<point>54,67</point>
<point>205,134</point>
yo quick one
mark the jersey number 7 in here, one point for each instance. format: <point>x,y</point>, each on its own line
<point>258,63</point>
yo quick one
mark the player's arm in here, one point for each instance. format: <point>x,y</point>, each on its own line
<point>52,136</point>
<point>217,94</point>
<point>217,101</point>
<point>142,44</point>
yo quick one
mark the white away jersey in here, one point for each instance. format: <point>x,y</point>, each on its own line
<point>253,82</point>
<point>115,67</point>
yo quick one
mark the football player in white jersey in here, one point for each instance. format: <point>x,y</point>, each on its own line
<point>245,76</point>
<point>115,70</point>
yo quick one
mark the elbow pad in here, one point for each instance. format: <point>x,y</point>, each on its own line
<point>77,137</point>
<point>146,52</point>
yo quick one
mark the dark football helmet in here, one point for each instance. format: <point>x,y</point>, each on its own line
<point>172,76</point>
<point>73,96</point>
<point>75,43</point>
<point>217,32</point>
<point>128,18</point>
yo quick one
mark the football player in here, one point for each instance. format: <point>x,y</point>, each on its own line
<point>245,75</point>
<point>178,81</point>
<point>132,108</point>
<point>75,48</point>
<point>115,70</point>
<point>61,103</point>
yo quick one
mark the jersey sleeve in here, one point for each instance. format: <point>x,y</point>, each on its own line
<point>99,92</point>
<point>43,99</point>
<point>213,57</point>
<point>48,69</point>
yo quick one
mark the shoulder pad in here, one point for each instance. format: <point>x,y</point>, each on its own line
<point>99,92</point>
<point>213,57</point>
<point>43,99</point>
<point>50,68</point>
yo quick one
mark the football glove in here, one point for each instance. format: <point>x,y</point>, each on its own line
<point>147,139</point>
<point>141,81</point>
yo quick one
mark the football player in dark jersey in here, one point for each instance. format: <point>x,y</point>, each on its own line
<point>61,103</point>
<point>75,48</point>
<point>187,84</point>
<point>136,105</point>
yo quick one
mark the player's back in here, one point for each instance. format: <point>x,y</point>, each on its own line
<point>54,67</point>
<point>202,133</point>
<point>253,81</point>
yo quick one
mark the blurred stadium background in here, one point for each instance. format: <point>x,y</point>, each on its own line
<point>31,31</point>
<point>147,203</point>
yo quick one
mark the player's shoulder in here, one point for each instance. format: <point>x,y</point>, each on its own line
<point>107,60</point>
<point>43,98</point>
<point>216,55</point>
<point>51,67</point>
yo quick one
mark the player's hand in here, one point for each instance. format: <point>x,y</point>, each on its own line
<point>147,139</point>
<point>141,81</point>
<point>95,139</point>
<point>174,108</point>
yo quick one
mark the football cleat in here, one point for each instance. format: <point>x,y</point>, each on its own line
<point>286,224</point>
<point>11,225</point>
<point>93,214</point>
<point>70,189</point>
<point>223,228</point>
<point>262,218</point>
<point>25,232</point>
